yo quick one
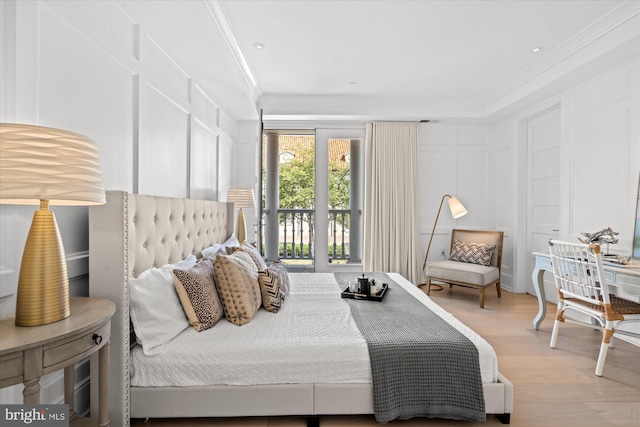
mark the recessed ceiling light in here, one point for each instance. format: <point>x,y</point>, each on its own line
<point>258,46</point>
<point>352,83</point>
<point>536,49</point>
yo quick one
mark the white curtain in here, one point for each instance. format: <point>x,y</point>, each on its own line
<point>391,236</point>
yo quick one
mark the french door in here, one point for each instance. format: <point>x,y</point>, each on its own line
<point>312,198</point>
<point>339,198</point>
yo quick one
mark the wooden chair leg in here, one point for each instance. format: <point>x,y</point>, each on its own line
<point>428,286</point>
<point>482,297</point>
<point>499,289</point>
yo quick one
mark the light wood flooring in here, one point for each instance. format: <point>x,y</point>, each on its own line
<point>552,387</point>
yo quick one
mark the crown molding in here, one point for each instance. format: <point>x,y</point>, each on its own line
<point>607,42</point>
<point>226,29</point>
<point>366,108</point>
<point>618,26</point>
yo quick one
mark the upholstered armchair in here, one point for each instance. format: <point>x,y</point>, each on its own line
<point>475,261</point>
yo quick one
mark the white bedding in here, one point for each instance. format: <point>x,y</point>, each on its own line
<point>312,339</point>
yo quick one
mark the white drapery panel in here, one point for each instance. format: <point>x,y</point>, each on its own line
<point>391,236</point>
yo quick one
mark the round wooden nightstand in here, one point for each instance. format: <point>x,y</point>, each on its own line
<point>28,353</point>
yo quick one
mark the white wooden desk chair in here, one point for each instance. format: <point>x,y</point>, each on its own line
<point>582,286</point>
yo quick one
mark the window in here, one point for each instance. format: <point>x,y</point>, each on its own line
<point>288,234</point>
<point>339,180</point>
<point>309,185</point>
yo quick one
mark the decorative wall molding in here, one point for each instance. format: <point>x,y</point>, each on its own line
<point>91,67</point>
<point>7,53</point>
<point>78,264</point>
<point>222,21</point>
<point>610,41</point>
<point>366,108</point>
<point>454,158</point>
<point>625,14</point>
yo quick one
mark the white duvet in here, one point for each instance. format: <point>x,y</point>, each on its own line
<point>312,339</point>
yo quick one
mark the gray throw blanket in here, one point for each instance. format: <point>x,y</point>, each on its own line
<point>421,365</point>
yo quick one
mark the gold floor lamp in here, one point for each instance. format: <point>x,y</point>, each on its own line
<point>241,198</point>
<point>46,166</point>
<point>457,211</point>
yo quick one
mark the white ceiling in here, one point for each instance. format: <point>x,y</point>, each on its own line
<point>409,59</point>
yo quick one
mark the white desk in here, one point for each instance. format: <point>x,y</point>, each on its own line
<point>625,278</point>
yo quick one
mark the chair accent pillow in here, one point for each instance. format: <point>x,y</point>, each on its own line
<point>473,253</point>
<point>272,294</point>
<point>198,295</point>
<point>156,312</point>
<point>236,278</point>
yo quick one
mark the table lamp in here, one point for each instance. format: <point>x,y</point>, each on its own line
<point>241,198</point>
<point>457,211</point>
<point>46,166</point>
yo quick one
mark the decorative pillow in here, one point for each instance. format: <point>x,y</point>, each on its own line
<point>236,278</point>
<point>232,241</point>
<point>253,253</point>
<point>474,253</point>
<point>211,250</point>
<point>198,295</point>
<point>272,294</point>
<point>278,269</point>
<point>156,312</point>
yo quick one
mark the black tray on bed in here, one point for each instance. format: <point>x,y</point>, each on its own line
<point>354,295</point>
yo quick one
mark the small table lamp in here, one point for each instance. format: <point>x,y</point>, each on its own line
<point>241,198</point>
<point>46,166</point>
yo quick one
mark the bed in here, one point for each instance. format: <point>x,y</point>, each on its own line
<point>133,233</point>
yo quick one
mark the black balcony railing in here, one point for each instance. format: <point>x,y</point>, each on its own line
<point>339,236</point>
<point>297,230</point>
<point>296,233</point>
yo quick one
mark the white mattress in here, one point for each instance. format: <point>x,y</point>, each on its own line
<point>312,339</point>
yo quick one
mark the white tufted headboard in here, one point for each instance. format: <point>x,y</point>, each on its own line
<point>130,234</point>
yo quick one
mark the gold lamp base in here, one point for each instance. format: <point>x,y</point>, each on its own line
<point>241,227</point>
<point>43,286</point>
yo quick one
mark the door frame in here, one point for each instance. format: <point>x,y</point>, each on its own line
<point>521,273</point>
<point>322,264</point>
<point>530,261</point>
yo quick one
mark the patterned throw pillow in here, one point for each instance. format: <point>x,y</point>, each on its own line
<point>272,294</point>
<point>278,269</point>
<point>236,278</point>
<point>198,295</point>
<point>474,253</point>
<point>253,253</point>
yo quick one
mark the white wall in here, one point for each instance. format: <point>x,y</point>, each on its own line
<point>460,160</point>
<point>90,68</point>
<point>600,150</point>
<point>484,165</point>
<point>246,170</point>
<point>601,157</point>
